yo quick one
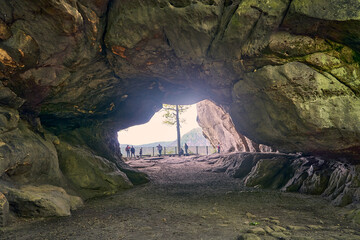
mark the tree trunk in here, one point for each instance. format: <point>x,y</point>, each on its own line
<point>178,128</point>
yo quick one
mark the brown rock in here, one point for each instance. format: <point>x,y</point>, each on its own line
<point>4,210</point>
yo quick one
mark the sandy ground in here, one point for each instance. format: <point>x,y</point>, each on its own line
<point>185,200</point>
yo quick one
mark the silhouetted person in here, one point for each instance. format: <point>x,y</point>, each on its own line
<point>186,149</point>
<point>132,151</point>
<point>159,147</point>
<point>140,152</point>
<point>181,152</point>
<point>218,148</point>
<point>127,149</point>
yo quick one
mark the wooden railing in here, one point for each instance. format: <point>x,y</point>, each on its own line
<point>153,151</point>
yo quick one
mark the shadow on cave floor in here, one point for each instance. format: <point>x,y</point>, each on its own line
<point>185,201</point>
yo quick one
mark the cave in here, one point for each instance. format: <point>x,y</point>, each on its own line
<point>74,72</point>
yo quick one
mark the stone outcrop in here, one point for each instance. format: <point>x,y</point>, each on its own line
<point>219,129</point>
<point>338,182</point>
<point>4,210</point>
<point>76,71</point>
<point>42,201</point>
<point>90,175</point>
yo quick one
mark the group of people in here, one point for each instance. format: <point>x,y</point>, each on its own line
<point>130,151</point>
<point>181,152</point>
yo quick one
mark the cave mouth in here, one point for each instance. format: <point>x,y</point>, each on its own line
<point>161,129</point>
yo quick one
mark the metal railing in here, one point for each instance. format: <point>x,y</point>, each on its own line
<point>153,151</point>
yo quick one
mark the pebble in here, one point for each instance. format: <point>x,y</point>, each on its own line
<point>278,228</point>
<point>315,227</point>
<point>249,215</point>
<point>257,230</point>
<point>274,221</point>
<point>268,229</point>
<point>248,236</point>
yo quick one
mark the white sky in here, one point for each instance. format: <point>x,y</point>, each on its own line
<point>156,131</point>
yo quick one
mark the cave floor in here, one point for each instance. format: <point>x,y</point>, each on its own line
<point>186,201</point>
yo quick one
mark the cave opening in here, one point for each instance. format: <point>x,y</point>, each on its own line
<point>161,129</point>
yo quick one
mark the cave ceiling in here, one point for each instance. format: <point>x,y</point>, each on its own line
<point>286,70</point>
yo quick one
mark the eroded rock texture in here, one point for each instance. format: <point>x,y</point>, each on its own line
<point>219,129</point>
<point>336,181</point>
<point>73,72</point>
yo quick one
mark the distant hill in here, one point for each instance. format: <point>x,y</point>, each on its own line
<point>191,138</point>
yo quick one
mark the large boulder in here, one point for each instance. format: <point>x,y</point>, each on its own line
<point>29,157</point>
<point>90,175</point>
<point>41,201</point>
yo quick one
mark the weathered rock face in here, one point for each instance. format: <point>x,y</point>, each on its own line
<point>92,176</point>
<point>84,62</point>
<point>287,71</point>
<point>336,181</point>
<point>219,128</point>
<point>42,201</point>
<point>4,210</point>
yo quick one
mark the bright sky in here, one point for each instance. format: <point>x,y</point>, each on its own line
<point>156,131</point>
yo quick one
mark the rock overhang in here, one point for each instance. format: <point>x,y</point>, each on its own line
<point>112,64</point>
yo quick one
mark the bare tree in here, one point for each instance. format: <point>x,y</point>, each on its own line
<point>172,117</point>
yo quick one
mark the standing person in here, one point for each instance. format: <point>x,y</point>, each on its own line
<point>218,148</point>
<point>127,149</point>
<point>140,152</point>
<point>132,151</point>
<point>159,147</point>
<point>186,149</point>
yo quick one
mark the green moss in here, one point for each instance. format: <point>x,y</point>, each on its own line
<point>90,175</point>
<point>271,173</point>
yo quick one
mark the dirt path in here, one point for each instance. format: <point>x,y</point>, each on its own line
<point>185,201</point>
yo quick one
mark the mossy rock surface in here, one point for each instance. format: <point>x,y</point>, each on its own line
<point>270,173</point>
<point>41,201</point>
<point>90,175</point>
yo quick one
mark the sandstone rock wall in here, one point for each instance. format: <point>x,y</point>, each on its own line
<point>287,70</point>
<point>333,180</point>
<point>219,128</point>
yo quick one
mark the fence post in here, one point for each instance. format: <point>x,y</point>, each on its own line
<point>164,150</point>
<point>207,150</point>
<point>153,151</point>
<point>197,150</point>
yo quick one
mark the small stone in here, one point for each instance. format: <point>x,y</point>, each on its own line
<point>257,230</point>
<point>248,236</point>
<point>268,229</point>
<point>274,221</point>
<point>278,228</point>
<point>56,141</point>
<point>249,215</point>
<point>279,235</point>
<point>315,227</point>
